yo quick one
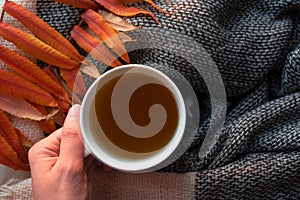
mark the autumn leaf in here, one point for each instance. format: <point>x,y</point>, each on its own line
<point>35,47</point>
<point>117,22</point>
<point>124,37</point>
<point>94,46</point>
<point>90,69</point>
<point>9,157</point>
<point>13,84</point>
<point>46,125</point>
<point>8,133</point>
<point>42,30</point>
<point>19,108</point>
<point>105,32</point>
<point>64,105</point>
<point>117,7</point>
<point>59,118</point>
<point>74,80</point>
<point>25,141</point>
<point>148,1</point>
<point>85,4</point>
<point>32,72</point>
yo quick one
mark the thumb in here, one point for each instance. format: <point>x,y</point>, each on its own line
<point>71,147</point>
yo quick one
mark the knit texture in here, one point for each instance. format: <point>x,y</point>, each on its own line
<point>256,47</point>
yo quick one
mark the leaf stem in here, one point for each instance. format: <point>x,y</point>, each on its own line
<point>2,13</point>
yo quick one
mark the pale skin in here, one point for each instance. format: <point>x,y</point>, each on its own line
<point>57,163</point>
<point>59,170</point>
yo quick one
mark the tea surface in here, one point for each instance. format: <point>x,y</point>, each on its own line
<point>139,104</point>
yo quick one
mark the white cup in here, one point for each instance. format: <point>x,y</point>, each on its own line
<point>111,155</point>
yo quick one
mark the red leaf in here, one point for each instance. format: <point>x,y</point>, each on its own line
<point>148,1</point>
<point>47,125</point>
<point>35,47</point>
<point>89,69</point>
<point>9,157</point>
<point>117,22</point>
<point>12,84</point>
<point>94,46</point>
<point>85,4</point>
<point>32,72</point>
<point>42,30</point>
<point>8,133</point>
<point>74,80</point>
<point>20,108</point>
<point>105,32</point>
<point>117,7</point>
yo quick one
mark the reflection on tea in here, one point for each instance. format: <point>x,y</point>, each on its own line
<point>139,104</point>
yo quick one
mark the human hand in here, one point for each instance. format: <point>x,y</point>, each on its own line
<point>57,163</point>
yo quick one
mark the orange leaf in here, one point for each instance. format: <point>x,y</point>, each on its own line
<point>42,30</point>
<point>74,80</point>
<point>19,108</point>
<point>47,125</point>
<point>148,1</point>
<point>12,84</point>
<point>117,7</point>
<point>9,157</point>
<point>85,4</point>
<point>32,72</point>
<point>8,133</point>
<point>35,47</point>
<point>124,37</point>
<point>94,46</point>
<point>25,141</point>
<point>89,69</point>
<point>105,32</point>
<point>64,105</point>
<point>59,118</point>
<point>117,22</point>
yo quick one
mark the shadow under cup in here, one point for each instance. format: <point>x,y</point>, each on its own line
<point>98,144</point>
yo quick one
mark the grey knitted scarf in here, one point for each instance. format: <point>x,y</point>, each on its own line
<point>256,47</point>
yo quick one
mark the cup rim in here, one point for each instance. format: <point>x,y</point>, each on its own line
<point>135,166</point>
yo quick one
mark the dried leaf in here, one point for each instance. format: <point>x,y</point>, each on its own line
<point>89,69</point>
<point>47,125</point>
<point>63,106</point>
<point>9,157</point>
<point>59,118</point>
<point>42,30</point>
<point>49,72</point>
<point>94,46</point>
<point>35,47</point>
<point>85,4</point>
<point>25,141</point>
<point>148,1</point>
<point>19,108</point>
<point>117,22</point>
<point>117,7</point>
<point>74,80</point>
<point>105,32</point>
<point>124,37</point>
<point>12,84</point>
<point>7,131</point>
<point>32,72</point>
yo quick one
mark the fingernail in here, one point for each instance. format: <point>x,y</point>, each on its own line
<point>73,116</point>
<point>74,111</point>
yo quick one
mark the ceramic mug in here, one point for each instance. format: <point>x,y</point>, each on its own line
<point>97,141</point>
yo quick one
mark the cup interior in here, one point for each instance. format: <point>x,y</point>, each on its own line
<point>104,150</point>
